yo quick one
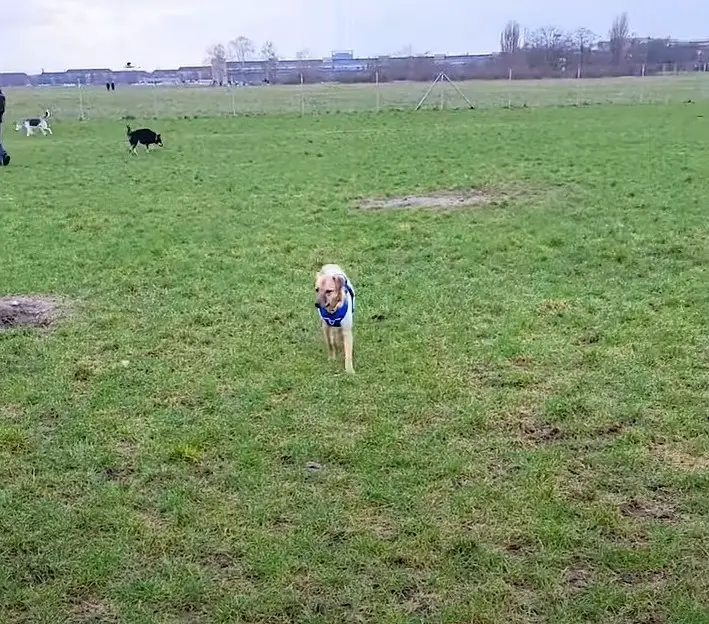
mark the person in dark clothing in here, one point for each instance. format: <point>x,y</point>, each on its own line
<point>4,156</point>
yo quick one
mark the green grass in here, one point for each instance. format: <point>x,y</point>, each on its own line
<point>175,102</point>
<point>525,439</point>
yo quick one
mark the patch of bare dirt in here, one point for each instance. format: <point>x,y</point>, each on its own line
<point>440,201</point>
<point>519,546</point>
<point>28,312</point>
<point>92,608</point>
<point>540,432</point>
<point>679,458</point>
<point>576,579</point>
<point>647,578</point>
<point>662,511</point>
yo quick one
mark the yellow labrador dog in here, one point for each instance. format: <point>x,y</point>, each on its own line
<point>335,300</point>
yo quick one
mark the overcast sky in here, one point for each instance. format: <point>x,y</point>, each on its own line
<point>61,34</point>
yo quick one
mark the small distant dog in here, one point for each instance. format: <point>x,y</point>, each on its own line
<point>30,125</point>
<point>144,136</point>
<point>335,301</point>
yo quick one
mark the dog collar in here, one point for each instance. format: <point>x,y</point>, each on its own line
<point>334,319</point>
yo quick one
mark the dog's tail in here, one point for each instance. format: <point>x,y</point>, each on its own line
<point>128,130</point>
<point>46,114</point>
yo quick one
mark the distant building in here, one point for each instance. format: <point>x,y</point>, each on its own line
<point>131,76</point>
<point>14,79</point>
<point>48,79</point>
<point>195,73</point>
<point>88,76</point>
<point>166,76</point>
<point>466,59</point>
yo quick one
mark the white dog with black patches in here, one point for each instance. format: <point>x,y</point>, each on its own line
<point>33,123</point>
<point>335,301</point>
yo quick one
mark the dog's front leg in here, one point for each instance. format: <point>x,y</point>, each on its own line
<point>329,340</point>
<point>348,343</point>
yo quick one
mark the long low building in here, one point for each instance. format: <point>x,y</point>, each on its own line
<point>14,79</point>
<point>253,71</point>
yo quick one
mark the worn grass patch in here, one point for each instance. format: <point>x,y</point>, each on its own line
<point>441,200</point>
<point>522,441</point>
<point>16,312</point>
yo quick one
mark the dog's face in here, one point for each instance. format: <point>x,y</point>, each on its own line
<point>328,289</point>
<point>158,140</point>
<point>18,126</point>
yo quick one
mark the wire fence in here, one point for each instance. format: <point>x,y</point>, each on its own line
<point>165,102</point>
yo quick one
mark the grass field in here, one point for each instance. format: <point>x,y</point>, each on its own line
<point>175,102</point>
<point>526,436</point>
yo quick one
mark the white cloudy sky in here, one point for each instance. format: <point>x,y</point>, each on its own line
<point>59,34</point>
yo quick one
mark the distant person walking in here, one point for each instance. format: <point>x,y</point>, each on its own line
<point>4,156</point>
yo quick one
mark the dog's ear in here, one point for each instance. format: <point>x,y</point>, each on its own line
<point>339,282</point>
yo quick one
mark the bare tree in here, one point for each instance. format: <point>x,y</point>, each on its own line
<point>510,38</point>
<point>242,49</point>
<point>583,40</point>
<point>618,37</point>
<point>548,46</point>
<point>216,58</point>
<point>270,56</point>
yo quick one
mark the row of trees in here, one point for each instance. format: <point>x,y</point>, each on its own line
<point>243,49</point>
<point>553,46</point>
<point>548,51</point>
<point>581,40</point>
<point>553,50</point>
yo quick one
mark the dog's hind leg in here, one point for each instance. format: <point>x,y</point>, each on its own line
<point>49,130</point>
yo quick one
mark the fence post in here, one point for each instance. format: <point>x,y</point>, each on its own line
<point>155,99</point>
<point>81,101</point>
<point>233,100</point>
<point>509,88</point>
<point>302,95</point>
<point>376,82</point>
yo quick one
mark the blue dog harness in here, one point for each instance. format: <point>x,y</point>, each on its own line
<point>334,319</point>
